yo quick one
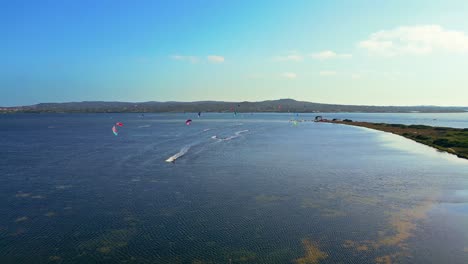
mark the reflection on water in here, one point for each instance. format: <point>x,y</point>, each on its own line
<point>401,226</point>
<point>312,253</point>
<point>272,193</point>
<point>409,146</point>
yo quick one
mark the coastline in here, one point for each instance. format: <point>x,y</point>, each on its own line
<point>446,139</point>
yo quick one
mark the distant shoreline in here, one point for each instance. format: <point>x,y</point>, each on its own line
<point>269,106</point>
<point>30,111</point>
<point>446,139</point>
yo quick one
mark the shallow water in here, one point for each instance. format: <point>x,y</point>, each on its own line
<point>458,120</point>
<point>243,189</point>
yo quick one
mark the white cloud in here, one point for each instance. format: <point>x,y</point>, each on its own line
<point>355,76</point>
<point>289,75</point>
<point>215,58</point>
<point>415,40</point>
<point>195,59</point>
<point>328,54</point>
<point>391,75</point>
<point>327,73</point>
<point>293,56</point>
<point>192,59</point>
<point>254,76</point>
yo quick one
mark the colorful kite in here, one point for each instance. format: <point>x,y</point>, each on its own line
<point>114,128</point>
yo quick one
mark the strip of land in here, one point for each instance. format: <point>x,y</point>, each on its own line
<point>269,106</point>
<point>451,140</point>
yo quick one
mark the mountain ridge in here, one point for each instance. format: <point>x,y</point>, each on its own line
<point>279,105</point>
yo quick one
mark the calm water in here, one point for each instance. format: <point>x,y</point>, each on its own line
<point>244,189</point>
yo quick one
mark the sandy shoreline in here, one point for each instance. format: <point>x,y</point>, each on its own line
<point>447,139</point>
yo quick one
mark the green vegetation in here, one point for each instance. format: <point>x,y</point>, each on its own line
<point>451,140</point>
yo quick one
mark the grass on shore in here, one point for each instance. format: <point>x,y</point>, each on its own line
<point>451,140</point>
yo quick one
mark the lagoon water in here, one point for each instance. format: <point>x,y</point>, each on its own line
<point>251,188</point>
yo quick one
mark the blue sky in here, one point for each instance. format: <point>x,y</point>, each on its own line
<point>349,52</point>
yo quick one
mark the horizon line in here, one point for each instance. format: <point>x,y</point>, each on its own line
<point>221,101</point>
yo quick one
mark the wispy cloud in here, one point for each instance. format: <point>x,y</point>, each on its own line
<point>289,75</point>
<point>255,76</point>
<point>196,59</point>
<point>356,76</point>
<point>192,59</point>
<point>327,73</point>
<point>415,40</point>
<point>328,54</point>
<point>215,58</point>
<point>292,56</point>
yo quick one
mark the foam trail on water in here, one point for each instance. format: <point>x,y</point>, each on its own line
<point>143,126</point>
<point>178,154</point>
<point>236,135</point>
<point>240,132</point>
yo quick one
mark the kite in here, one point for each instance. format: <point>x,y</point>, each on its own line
<point>114,128</point>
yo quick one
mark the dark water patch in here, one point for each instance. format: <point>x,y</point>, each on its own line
<point>275,194</point>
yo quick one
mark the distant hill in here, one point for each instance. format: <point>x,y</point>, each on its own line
<point>282,105</point>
